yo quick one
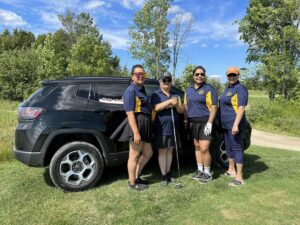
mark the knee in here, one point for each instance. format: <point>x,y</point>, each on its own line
<point>148,154</point>
<point>197,148</point>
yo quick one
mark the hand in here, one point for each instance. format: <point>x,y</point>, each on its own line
<point>235,129</point>
<point>173,101</point>
<point>207,129</point>
<point>137,138</point>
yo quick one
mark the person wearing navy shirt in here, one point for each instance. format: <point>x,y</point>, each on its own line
<point>232,107</point>
<point>138,131</point>
<point>163,101</point>
<point>201,103</point>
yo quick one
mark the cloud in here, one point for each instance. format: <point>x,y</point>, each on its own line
<point>9,18</point>
<point>129,4</point>
<point>174,9</point>
<point>118,40</point>
<point>216,76</point>
<point>94,4</point>
<point>50,19</point>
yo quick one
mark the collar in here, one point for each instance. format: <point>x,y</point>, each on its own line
<point>136,87</point>
<point>201,85</point>
<point>161,92</point>
<point>232,86</point>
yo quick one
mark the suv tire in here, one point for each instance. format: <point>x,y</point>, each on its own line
<point>219,153</point>
<point>76,166</point>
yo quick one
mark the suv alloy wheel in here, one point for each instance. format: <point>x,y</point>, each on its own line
<point>76,166</point>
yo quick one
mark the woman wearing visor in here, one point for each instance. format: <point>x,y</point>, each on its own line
<point>163,101</point>
<point>138,131</point>
<point>232,107</point>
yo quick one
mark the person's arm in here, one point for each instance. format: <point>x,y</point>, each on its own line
<point>163,105</point>
<point>213,111</point>
<point>179,107</point>
<point>185,114</point>
<point>133,125</point>
<point>238,118</point>
<point>212,114</point>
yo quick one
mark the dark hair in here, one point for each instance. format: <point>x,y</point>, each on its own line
<point>136,66</point>
<point>199,67</point>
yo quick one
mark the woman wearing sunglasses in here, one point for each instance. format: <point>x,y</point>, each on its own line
<point>138,131</point>
<point>201,102</point>
<point>162,101</point>
<point>232,107</point>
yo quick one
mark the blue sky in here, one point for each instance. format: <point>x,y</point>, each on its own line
<point>213,41</point>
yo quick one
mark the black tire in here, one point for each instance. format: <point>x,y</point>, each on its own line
<point>76,166</point>
<point>218,151</point>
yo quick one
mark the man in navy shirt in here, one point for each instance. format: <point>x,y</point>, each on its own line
<point>162,101</point>
<point>232,107</point>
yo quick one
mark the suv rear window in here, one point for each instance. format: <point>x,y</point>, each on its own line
<point>39,93</point>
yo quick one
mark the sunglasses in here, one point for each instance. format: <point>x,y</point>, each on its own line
<point>231,75</point>
<point>139,74</point>
<point>167,80</point>
<point>199,74</point>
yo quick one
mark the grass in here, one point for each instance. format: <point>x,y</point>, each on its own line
<point>270,196</point>
<point>8,121</point>
<point>275,116</point>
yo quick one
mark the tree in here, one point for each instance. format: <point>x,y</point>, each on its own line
<point>179,33</point>
<point>271,29</point>
<point>150,36</point>
<point>216,83</point>
<point>186,79</point>
<point>18,39</point>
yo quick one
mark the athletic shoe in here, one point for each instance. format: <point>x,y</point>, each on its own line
<point>235,183</point>
<point>170,177</point>
<point>141,181</point>
<point>198,175</point>
<point>164,181</point>
<point>138,187</point>
<point>205,178</point>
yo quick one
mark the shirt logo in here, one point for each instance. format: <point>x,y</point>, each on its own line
<point>201,92</point>
<point>229,93</point>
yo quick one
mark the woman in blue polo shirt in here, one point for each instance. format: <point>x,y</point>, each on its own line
<point>162,101</point>
<point>232,107</point>
<point>201,102</point>
<point>138,131</point>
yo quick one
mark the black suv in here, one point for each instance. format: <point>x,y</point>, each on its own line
<point>70,125</point>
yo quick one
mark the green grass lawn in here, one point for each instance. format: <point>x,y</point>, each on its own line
<point>271,195</point>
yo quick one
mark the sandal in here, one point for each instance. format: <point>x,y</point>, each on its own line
<point>236,183</point>
<point>229,174</point>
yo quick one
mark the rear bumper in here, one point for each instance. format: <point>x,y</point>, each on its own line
<point>29,158</point>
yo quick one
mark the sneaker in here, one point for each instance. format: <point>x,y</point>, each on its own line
<point>198,175</point>
<point>235,183</point>
<point>137,186</point>
<point>205,178</point>
<point>139,180</point>
<point>170,177</point>
<point>164,181</point>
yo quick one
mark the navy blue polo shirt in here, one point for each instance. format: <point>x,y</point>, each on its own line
<point>135,99</point>
<point>199,100</point>
<point>233,97</point>
<point>163,119</point>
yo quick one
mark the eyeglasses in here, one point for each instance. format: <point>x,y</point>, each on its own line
<point>140,74</point>
<point>199,74</point>
<point>232,75</point>
<point>167,80</point>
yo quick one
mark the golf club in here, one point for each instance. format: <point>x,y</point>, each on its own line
<point>178,184</point>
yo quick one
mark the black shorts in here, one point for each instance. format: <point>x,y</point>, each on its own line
<point>163,141</point>
<point>197,129</point>
<point>144,125</point>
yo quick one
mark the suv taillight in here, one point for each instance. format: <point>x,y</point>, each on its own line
<point>29,113</point>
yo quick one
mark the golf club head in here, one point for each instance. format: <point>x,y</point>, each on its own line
<point>178,186</point>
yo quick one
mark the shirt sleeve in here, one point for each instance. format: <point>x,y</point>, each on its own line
<point>155,99</point>
<point>129,100</point>
<point>242,96</point>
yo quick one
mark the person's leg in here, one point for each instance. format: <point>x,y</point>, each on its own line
<point>134,154</point>
<point>146,155</point>
<point>204,148</point>
<point>198,155</point>
<point>228,145</point>
<point>239,155</point>
<point>162,160</point>
<point>169,158</point>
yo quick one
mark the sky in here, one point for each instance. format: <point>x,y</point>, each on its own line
<point>213,41</point>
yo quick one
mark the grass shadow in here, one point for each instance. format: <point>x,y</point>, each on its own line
<point>47,178</point>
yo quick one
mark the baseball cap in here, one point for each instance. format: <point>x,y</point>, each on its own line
<point>165,75</point>
<point>232,69</point>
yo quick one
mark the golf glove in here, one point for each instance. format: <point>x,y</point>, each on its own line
<point>207,129</point>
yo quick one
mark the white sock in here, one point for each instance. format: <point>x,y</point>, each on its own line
<point>200,167</point>
<point>207,170</point>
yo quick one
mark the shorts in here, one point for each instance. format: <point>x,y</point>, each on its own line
<point>197,130</point>
<point>164,141</point>
<point>144,125</point>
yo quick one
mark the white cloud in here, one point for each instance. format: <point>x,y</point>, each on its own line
<point>9,18</point>
<point>94,4</point>
<point>129,4</point>
<point>174,9</point>
<point>216,76</point>
<point>203,45</point>
<point>118,40</point>
<point>50,19</point>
